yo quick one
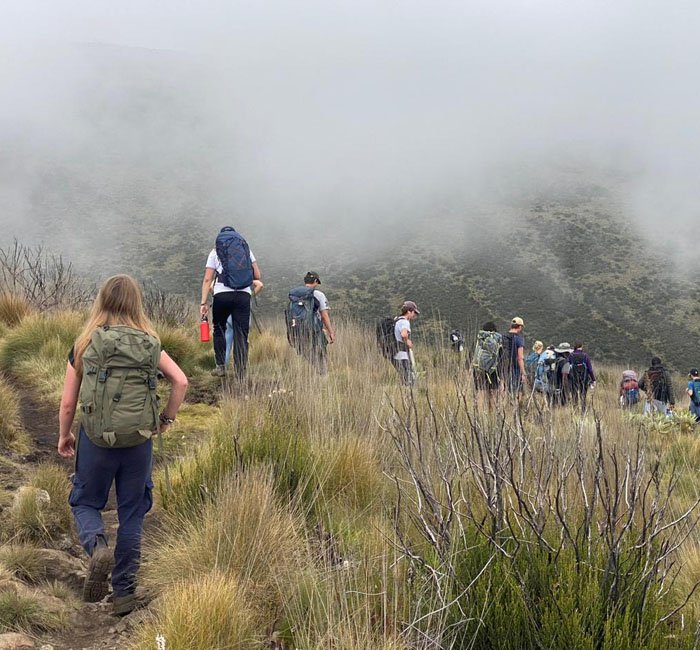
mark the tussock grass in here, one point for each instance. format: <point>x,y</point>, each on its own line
<point>37,352</point>
<point>13,308</point>
<point>244,532</point>
<point>53,480</point>
<point>30,612</point>
<point>183,346</point>
<point>22,561</point>
<point>211,612</point>
<point>11,434</point>
<point>40,510</point>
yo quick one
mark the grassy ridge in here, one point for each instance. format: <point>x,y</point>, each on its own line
<point>344,512</point>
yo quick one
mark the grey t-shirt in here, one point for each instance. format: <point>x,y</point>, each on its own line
<point>400,325</point>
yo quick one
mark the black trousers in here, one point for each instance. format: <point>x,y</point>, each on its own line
<point>237,305</point>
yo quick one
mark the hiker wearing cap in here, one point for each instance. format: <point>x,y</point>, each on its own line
<point>512,362</point>
<point>402,334</point>
<point>582,375</point>
<point>656,383</point>
<point>693,391</point>
<point>307,319</point>
<point>232,267</point>
<point>628,390</point>
<point>561,377</point>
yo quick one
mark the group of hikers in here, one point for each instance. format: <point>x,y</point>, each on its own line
<point>113,369</point>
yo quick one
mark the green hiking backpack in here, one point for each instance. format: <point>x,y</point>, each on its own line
<point>118,396</point>
<point>487,351</point>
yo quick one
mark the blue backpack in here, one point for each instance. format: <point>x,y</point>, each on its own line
<point>234,254</point>
<point>695,397</point>
<point>304,327</point>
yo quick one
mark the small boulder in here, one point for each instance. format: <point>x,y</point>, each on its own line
<point>15,641</point>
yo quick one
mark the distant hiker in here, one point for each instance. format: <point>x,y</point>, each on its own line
<point>511,368</point>
<point>582,375</point>
<point>693,391</point>
<point>232,267</point>
<point>545,373</point>
<point>487,353</point>
<point>457,341</point>
<point>307,318</point>
<point>257,287</point>
<point>629,389</point>
<point>561,377</point>
<point>112,371</point>
<point>402,334</point>
<point>532,359</point>
<point>656,383</point>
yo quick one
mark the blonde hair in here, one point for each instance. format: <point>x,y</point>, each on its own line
<point>119,302</point>
<point>538,347</point>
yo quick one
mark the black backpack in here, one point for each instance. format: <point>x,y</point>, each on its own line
<point>234,255</point>
<point>579,369</point>
<point>386,341</point>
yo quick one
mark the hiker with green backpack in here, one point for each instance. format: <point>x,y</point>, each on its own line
<point>112,375</point>
<point>484,362</point>
<point>307,319</point>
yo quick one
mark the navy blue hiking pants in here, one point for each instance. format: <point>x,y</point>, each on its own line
<point>235,304</point>
<point>130,470</point>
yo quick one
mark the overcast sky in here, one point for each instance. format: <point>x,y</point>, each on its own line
<point>328,112</point>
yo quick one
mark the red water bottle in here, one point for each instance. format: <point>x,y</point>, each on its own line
<point>204,330</point>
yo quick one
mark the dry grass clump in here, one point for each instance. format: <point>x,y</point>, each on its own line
<point>37,352</point>
<point>13,308</point>
<point>245,531</point>
<point>40,510</point>
<point>210,612</point>
<point>22,561</point>
<point>12,435</point>
<point>28,610</point>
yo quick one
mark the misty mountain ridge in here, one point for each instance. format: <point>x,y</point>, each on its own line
<point>136,175</point>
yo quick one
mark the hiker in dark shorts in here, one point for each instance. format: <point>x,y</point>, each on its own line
<point>117,334</point>
<point>512,365</point>
<point>656,383</point>
<point>582,375</point>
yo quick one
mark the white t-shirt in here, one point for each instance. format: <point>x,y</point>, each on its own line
<point>214,263</point>
<point>322,300</point>
<point>400,325</point>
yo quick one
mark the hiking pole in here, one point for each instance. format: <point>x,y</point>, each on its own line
<point>255,318</point>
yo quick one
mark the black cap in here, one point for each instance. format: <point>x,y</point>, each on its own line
<point>694,373</point>
<point>311,277</point>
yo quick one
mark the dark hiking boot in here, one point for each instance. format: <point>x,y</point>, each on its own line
<point>96,584</point>
<point>219,371</point>
<point>123,605</point>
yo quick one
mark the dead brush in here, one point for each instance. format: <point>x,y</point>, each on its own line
<point>532,496</point>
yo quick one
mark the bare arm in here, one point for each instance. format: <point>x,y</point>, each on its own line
<point>521,363</point>
<point>326,320</point>
<point>178,382</point>
<point>66,413</point>
<point>256,271</point>
<point>406,336</point>
<point>206,288</point>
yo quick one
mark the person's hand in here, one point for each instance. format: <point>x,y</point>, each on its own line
<point>331,338</point>
<point>203,309</point>
<point>592,384</point>
<point>66,445</point>
<point>163,428</point>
